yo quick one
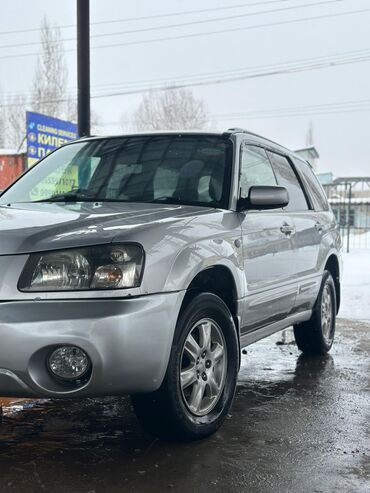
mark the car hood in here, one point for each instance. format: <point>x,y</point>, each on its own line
<point>35,227</point>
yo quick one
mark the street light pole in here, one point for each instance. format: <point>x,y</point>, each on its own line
<point>83,67</point>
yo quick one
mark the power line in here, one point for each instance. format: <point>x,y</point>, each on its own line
<point>357,55</point>
<point>156,16</point>
<point>234,78</point>
<point>243,28</point>
<point>184,24</point>
<point>202,34</point>
<point>350,56</point>
<point>341,105</point>
<point>267,71</point>
<point>311,110</point>
<point>300,113</point>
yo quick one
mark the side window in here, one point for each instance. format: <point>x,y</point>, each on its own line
<point>255,169</point>
<point>317,193</point>
<point>286,177</point>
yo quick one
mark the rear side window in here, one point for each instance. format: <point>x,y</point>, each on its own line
<point>287,178</point>
<point>255,169</point>
<point>314,187</point>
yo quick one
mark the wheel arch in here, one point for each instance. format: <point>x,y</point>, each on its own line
<point>332,265</point>
<point>218,280</point>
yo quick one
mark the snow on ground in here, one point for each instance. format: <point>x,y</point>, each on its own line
<point>356,240</point>
<point>355,302</point>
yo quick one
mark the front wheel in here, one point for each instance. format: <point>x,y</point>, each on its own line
<point>200,382</point>
<point>316,336</point>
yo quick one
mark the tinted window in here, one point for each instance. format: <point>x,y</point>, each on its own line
<point>255,169</point>
<point>317,193</point>
<point>179,169</point>
<point>287,178</point>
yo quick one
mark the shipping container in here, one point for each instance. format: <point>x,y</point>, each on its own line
<point>12,164</point>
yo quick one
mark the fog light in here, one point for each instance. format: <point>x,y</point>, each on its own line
<point>69,363</point>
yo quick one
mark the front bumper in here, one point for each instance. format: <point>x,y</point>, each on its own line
<point>128,341</point>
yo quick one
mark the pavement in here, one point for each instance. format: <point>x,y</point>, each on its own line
<point>298,424</point>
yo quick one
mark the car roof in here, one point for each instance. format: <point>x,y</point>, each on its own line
<point>231,131</point>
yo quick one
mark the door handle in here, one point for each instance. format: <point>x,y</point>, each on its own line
<point>318,226</point>
<point>287,229</point>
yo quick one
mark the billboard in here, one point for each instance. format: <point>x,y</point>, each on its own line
<point>45,133</point>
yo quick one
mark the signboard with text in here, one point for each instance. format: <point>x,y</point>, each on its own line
<point>45,133</point>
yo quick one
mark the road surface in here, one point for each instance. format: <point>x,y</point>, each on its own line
<point>298,424</point>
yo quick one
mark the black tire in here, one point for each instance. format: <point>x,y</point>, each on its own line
<point>314,336</point>
<point>165,413</point>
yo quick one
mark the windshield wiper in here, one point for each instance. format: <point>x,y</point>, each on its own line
<point>79,198</point>
<point>72,196</point>
<point>165,200</point>
<point>176,201</point>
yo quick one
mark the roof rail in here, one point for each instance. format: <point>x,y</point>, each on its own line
<point>237,129</point>
<point>242,130</point>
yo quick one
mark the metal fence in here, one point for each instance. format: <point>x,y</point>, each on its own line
<point>350,200</point>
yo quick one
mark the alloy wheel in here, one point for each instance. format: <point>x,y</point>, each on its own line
<point>203,367</point>
<point>327,313</point>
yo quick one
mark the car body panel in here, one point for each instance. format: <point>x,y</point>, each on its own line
<point>271,285</point>
<point>128,341</point>
<point>179,242</point>
<point>128,333</point>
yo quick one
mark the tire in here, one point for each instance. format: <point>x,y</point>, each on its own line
<point>172,412</point>
<point>316,336</point>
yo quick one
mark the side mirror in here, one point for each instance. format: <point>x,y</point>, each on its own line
<point>265,197</point>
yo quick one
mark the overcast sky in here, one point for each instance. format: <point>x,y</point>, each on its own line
<point>341,135</point>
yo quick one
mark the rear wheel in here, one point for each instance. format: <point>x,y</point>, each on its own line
<point>200,382</point>
<point>316,336</point>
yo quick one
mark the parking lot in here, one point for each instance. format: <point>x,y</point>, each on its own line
<point>297,424</point>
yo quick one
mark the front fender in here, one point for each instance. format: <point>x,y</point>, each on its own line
<point>201,255</point>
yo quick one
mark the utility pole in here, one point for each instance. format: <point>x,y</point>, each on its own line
<point>349,196</point>
<point>83,67</point>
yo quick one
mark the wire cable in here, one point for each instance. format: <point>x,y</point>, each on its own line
<point>290,112</point>
<point>202,34</point>
<point>184,24</point>
<point>155,16</point>
<point>350,56</point>
<point>285,68</point>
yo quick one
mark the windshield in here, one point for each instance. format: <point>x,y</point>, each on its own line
<point>179,169</point>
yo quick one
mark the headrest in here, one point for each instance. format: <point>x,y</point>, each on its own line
<point>191,169</point>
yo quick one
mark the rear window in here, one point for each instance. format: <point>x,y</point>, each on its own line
<point>316,191</point>
<point>287,178</point>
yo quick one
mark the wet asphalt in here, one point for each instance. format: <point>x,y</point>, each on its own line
<point>298,424</point>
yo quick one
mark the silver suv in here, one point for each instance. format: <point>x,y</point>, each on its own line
<point>142,264</point>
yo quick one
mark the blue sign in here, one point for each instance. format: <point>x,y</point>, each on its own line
<point>45,133</point>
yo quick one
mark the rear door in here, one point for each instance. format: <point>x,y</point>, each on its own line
<point>267,248</point>
<point>308,232</point>
<point>323,223</point>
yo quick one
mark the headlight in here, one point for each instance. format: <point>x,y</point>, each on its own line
<point>99,267</point>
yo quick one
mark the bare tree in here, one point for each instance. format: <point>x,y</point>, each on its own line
<point>49,86</point>
<point>170,110</point>
<point>2,123</point>
<point>15,121</point>
<point>48,93</point>
<point>2,130</point>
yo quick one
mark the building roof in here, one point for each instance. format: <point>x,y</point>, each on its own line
<point>345,200</point>
<point>309,150</point>
<point>351,179</point>
<point>8,152</point>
